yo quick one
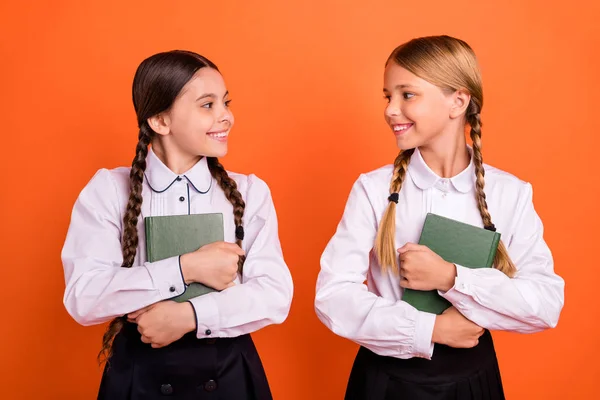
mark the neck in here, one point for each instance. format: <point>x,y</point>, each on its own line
<point>175,159</point>
<point>447,155</point>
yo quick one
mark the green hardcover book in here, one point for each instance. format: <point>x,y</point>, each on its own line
<point>458,243</point>
<point>174,235</point>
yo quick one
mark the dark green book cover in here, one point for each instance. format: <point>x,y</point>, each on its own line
<point>174,235</point>
<point>458,243</point>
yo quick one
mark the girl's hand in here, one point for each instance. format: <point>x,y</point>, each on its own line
<point>214,265</point>
<point>422,269</point>
<point>454,330</point>
<point>164,322</point>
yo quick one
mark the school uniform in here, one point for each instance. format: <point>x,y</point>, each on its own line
<point>219,360</point>
<point>397,359</point>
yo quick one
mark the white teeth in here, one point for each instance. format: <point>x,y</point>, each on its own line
<point>219,135</point>
<point>398,128</point>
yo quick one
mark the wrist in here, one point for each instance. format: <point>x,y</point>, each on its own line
<point>189,316</point>
<point>436,337</point>
<point>449,277</point>
<point>186,262</point>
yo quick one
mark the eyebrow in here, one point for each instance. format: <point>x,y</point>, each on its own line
<point>211,95</point>
<point>403,86</point>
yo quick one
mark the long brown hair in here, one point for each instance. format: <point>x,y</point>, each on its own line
<point>450,64</point>
<point>157,83</point>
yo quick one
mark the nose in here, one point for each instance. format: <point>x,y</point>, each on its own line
<point>392,109</point>
<point>226,116</point>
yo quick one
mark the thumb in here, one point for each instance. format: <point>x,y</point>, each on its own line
<point>449,310</point>
<point>135,314</point>
<point>236,249</point>
<point>239,251</point>
<point>407,247</point>
<point>230,284</point>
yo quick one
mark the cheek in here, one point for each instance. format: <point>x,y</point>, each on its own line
<point>426,115</point>
<point>197,127</point>
<point>203,123</point>
<point>191,122</point>
<point>191,131</point>
<point>417,112</point>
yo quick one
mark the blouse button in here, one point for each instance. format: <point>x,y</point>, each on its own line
<point>166,389</point>
<point>182,198</point>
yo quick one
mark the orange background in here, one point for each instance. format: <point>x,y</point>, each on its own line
<point>306,79</point>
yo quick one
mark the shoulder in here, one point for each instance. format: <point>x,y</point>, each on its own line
<point>256,194</point>
<point>382,175</point>
<point>371,189</point>
<point>513,192</point>
<point>250,185</point>
<point>502,180</point>
<point>105,194</point>
<point>108,181</point>
<point>375,181</point>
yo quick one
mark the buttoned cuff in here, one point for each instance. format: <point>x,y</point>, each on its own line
<point>207,316</point>
<point>423,345</point>
<point>462,285</point>
<point>167,277</point>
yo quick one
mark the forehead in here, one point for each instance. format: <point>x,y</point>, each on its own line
<point>397,75</point>
<point>205,81</point>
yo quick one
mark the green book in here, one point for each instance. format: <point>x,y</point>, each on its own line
<point>174,235</point>
<point>458,243</point>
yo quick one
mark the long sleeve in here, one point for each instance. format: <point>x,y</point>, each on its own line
<point>265,293</point>
<point>529,302</point>
<point>343,302</point>
<point>97,288</point>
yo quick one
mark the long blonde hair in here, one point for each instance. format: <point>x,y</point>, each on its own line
<point>450,64</point>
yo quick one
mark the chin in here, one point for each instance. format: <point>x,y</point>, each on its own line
<point>220,151</point>
<point>404,144</point>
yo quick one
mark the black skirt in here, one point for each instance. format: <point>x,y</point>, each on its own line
<point>451,374</point>
<point>190,368</point>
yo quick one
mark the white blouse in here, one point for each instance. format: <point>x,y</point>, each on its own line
<point>98,289</point>
<point>374,315</point>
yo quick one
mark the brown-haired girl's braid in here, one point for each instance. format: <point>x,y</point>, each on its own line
<point>385,243</point>
<point>129,240</point>
<point>229,186</point>
<point>134,205</point>
<point>502,260</point>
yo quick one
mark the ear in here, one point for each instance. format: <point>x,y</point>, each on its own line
<point>160,124</point>
<point>460,102</point>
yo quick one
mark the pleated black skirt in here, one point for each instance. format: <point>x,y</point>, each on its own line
<point>190,368</point>
<point>451,374</point>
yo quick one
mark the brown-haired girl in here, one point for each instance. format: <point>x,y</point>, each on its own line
<point>156,347</point>
<point>433,90</point>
